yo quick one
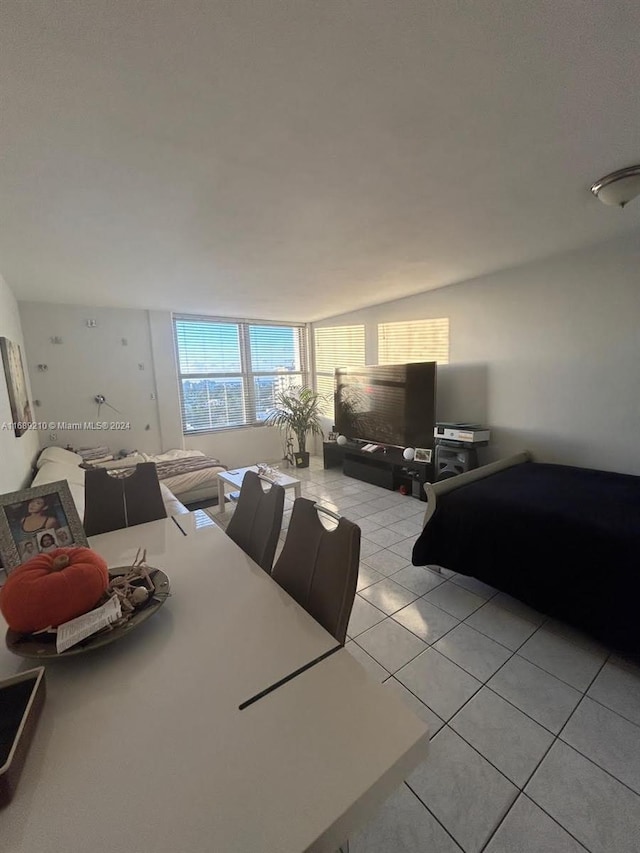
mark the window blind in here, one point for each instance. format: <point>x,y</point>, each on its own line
<point>414,340</point>
<point>230,371</point>
<point>335,346</point>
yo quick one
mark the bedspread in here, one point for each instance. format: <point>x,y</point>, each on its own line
<point>564,540</point>
<point>181,470</point>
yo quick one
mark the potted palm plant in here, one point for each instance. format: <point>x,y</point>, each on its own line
<point>297,411</point>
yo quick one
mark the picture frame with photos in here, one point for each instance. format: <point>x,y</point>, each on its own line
<point>36,521</point>
<point>422,454</point>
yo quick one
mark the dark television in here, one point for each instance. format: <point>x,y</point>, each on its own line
<point>391,404</point>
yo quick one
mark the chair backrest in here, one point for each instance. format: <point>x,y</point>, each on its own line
<point>257,519</point>
<point>121,498</point>
<point>319,567</point>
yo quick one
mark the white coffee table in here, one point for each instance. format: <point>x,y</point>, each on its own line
<point>235,477</point>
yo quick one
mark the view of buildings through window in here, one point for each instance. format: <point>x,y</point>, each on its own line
<point>231,372</point>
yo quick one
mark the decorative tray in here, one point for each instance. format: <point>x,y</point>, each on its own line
<point>43,645</point>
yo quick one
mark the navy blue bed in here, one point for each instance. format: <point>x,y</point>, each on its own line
<point>564,540</point>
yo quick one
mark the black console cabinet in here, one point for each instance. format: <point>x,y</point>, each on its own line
<point>386,468</point>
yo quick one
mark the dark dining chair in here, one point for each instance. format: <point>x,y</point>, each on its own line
<point>319,567</point>
<point>117,499</point>
<point>257,519</point>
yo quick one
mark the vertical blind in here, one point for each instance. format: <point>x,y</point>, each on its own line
<point>231,371</point>
<point>414,340</point>
<point>335,346</point>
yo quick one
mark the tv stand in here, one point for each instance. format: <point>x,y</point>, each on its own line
<point>386,467</point>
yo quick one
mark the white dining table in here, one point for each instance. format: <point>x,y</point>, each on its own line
<point>143,746</point>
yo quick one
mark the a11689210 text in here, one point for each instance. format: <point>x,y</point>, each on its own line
<point>70,425</point>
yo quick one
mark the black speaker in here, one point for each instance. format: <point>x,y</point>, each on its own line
<point>451,461</point>
<point>417,490</point>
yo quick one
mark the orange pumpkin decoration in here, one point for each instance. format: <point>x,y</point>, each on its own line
<point>52,588</point>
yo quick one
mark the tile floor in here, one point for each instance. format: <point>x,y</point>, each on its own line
<point>535,728</point>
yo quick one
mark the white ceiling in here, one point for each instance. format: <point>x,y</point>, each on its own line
<point>292,159</point>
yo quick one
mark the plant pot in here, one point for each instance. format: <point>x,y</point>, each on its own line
<point>302,459</point>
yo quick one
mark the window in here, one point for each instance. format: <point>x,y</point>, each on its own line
<point>414,340</point>
<point>335,346</point>
<point>231,371</point>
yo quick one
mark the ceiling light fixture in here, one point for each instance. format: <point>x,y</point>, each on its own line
<point>619,187</point>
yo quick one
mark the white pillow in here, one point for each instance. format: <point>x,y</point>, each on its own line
<point>127,462</point>
<point>58,454</point>
<point>171,455</point>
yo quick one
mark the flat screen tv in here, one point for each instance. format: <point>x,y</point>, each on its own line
<point>393,404</point>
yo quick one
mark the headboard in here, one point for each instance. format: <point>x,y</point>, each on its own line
<point>448,485</point>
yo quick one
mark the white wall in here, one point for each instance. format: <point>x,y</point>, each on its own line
<point>92,361</point>
<point>240,447</point>
<point>548,355</point>
<point>113,359</point>
<point>16,454</point>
